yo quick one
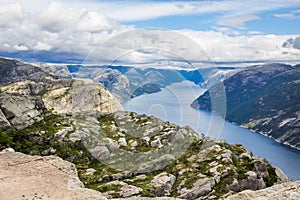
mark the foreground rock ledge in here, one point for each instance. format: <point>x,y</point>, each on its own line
<point>289,190</point>
<point>35,177</point>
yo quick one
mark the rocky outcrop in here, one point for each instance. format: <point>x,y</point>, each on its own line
<point>163,159</point>
<point>163,184</point>
<point>123,154</point>
<point>35,177</point>
<point>112,79</point>
<point>289,190</point>
<point>263,98</point>
<point>81,95</point>
<point>20,111</point>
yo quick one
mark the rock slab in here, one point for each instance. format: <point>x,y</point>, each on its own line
<point>35,177</point>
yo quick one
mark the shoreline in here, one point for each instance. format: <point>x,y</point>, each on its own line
<point>269,136</point>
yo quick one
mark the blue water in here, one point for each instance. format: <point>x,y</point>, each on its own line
<point>173,104</point>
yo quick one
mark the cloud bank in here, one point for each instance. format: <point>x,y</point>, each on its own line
<point>60,30</point>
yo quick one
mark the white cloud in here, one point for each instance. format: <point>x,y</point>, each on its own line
<point>20,47</point>
<point>10,14</point>
<point>95,22</point>
<point>285,15</point>
<point>143,10</point>
<point>42,47</point>
<point>237,22</point>
<point>224,48</point>
<point>54,27</point>
<point>254,33</point>
<point>54,18</point>
<point>296,11</point>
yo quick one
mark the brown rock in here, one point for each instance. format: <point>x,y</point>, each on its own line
<point>35,177</point>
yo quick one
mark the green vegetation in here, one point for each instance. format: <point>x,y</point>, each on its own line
<point>190,166</point>
<point>24,140</point>
<point>272,178</point>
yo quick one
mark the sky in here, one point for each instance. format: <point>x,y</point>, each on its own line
<point>225,31</point>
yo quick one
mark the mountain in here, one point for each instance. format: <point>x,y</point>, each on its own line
<point>126,82</point>
<point>28,93</point>
<point>117,153</point>
<point>264,98</point>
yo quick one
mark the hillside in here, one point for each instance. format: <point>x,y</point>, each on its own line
<point>166,160</point>
<point>263,98</point>
<point>118,153</point>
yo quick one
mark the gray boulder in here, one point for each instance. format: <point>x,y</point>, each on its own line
<point>20,111</point>
<point>163,184</point>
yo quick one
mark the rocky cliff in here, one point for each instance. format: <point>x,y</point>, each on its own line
<point>264,98</point>
<point>80,95</point>
<point>125,154</point>
<point>27,90</point>
<point>36,177</point>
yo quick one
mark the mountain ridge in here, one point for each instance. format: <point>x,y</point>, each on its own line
<point>263,98</point>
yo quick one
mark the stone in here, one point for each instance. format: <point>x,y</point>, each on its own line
<point>8,150</point>
<point>157,163</point>
<point>200,188</point>
<point>281,176</point>
<point>156,143</point>
<point>36,177</point>
<point>261,184</point>
<point>246,155</point>
<point>122,141</point>
<point>163,184</point>
<point>133,143</point>
<point>117,176</point>
<point>90,171</point>
<point>20,111</point>
<point>140,177</point>
<point>234,186</point>
<point>62,133</point>
<point>287,190</point>
<point>81,95</point>
<point>129,190</point>
<point>184,171</point>
<point>100,152</point>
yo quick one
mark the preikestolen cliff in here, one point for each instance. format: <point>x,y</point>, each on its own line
<point>149,100</point>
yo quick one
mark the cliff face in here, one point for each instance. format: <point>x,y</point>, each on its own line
<point>263,98</point>
<point>23,85</point>
<point>81,95</point>
<point>12,71</point>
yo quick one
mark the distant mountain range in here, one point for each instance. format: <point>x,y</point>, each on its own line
<point>126,82</point>
<point>265,98</point>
